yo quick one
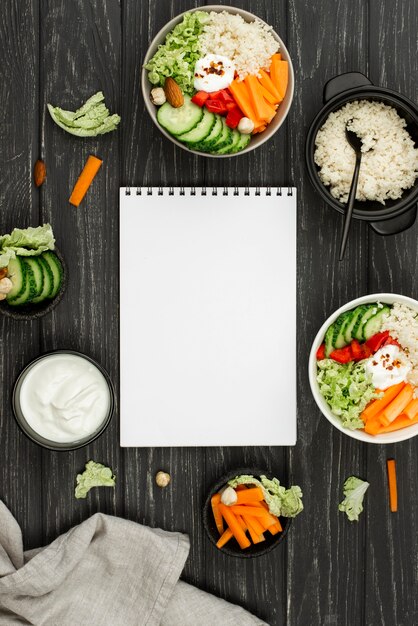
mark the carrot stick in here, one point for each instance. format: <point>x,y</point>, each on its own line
<point>215,500</point>
<point>85,179</point>
<point>241,97</point>
<point>393,490</point>
<point>233,524</point>
<point>267,95</point>
<point>275,528</point>
<point>378,405</point>
<point>241,522</point>
<point>226,536</point>
<point>254,523</point>
<point>373,425</point>
<point>256,537</point>
<point>255,494</point>
<point>279,72</point>
<point>411,410</point>
<point>268,84</point>
<point>263,110</point>
<point>265,518</point>
<point>402,421</point>
<point>398,404</point>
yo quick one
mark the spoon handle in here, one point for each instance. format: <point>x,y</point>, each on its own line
<point>350,206</point>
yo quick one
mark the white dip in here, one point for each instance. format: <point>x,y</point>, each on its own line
<point>388,366</point>
<point>213,72</point>
<point>64,397</point>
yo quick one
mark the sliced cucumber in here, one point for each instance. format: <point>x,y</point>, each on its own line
<point>349,330</point>
<point>235,137</point>
<point>48,281</point>
<point>338,339</point>
<point>17,274</point>
<point>243,143</point>
<point>56,269</point>
<point>199,132</point>
<point>370,312</point>
<point>374,324</point>
<point>225,138</point>
<point>181,120</point>
<point>207,143</point>
<point>30,287</point>
<point>329,346</point>
<point>38,274</point>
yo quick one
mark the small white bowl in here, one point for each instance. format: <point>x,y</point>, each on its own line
<point>394,437</point>
<point>258,139</point>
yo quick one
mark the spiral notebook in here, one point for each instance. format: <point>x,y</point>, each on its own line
<point>207,316</point>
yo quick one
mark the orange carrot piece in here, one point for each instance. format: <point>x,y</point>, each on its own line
<point>215,500</point>
<point>279,72</point>
<point>241,522</point>
<point>254,523</point>
<point>255,494</point>
<point>267,95</point>
<point>241,97</point>
<point>398,404</point>
<point>256,537</point>
<point>411,410</point>
<point>378,405</point>
<point>263,110</point>
<point>85,179</point>
<point>265,518</point>
<point>233,524</point>
<point>277,56</point>
<point>402,421</point>
<point>259,129</point>
<point>373,425</point>
<point>226,536</point>
<point>393,489</point>
<point>275,528</point>
<point>268,84</point>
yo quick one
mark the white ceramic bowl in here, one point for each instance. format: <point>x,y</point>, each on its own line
<point>258,139</point>
<point>400,435</point>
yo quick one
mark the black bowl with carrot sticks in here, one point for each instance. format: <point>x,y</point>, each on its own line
<point>246,528</point>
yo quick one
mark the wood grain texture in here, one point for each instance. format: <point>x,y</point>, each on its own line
<point>328,572</point>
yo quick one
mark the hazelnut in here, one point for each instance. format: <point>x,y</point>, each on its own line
<point>158,96</point>
<point>2,296</point>
<point>162,479</point>
<point>5,285</point>
<point>245,126</point>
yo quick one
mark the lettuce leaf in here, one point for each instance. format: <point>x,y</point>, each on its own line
<point>347,389</point>
<point>90,120</point>
<point>281,501</point>
<point>354,490</point>
<point>26,242</point>
<point>178,55</point>
<point>95,475</point>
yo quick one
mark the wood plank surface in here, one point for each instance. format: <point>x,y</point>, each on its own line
<point>328,572</point>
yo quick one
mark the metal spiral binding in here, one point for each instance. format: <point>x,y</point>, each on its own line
<point>279,191</point>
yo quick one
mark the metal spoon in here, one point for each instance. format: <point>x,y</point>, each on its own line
<point>356,143</point>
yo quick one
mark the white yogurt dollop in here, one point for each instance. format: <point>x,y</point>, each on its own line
<point>388,366</point>
<point>213,72</point>
<point>64,397</point>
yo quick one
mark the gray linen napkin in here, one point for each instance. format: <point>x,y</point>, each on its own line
<point>105,572</point>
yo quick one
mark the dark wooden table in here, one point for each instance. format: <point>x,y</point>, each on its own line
<point>328,572</point>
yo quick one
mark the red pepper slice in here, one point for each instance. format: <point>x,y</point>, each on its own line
<point>216,106</point>
<point>390,341</point>
<point>233,117</point>
<point>320,353</point>
<point>376,341</point>
<point>200,98</point>
<point>214,95</point>
<point>357,350</point>
<point>342,355</point>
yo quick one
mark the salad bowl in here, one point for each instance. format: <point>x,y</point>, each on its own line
<point>359,434</point>
<point>256,140</point>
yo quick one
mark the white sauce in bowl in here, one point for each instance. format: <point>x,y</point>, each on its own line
<point>388,366</point>
<point>64,397</point>
<point>213,72</point>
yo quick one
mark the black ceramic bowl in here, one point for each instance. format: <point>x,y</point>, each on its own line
<point>396,215</point>
<point>232,548</point>
<point>47,443</point>
<point>34,311</point>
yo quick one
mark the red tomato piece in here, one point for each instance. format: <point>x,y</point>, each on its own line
<point>320,353</point>
<point>342,355</point>
<point>376,341</point>
<point>200,98</point>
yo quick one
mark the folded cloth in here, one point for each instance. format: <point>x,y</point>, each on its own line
<point>105,572</point>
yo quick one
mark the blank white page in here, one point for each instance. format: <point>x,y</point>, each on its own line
<point>208,317</point>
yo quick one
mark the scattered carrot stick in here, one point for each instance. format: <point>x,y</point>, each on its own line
<point>402,421</point>
<point>393,490</point>
<point>224,538</point>
<point>85,179</point>
<point>279,72</point>
<point>398,404</point>
<point>268,84</point>
<point>411,410</point>
<point>249,496</point>
<point>233,524</point>
<point>215,500</point>
<point>378,405</point>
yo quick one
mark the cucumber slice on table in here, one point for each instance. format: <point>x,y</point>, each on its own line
<point>30,287</point>
<point>374,323</point>
<point>17,274</point>
<point>199,132</point>
<point>181,120</point>
<point>208,142</point>
<point>38,274</point>
<point>56,269</point>
<point>48,281</point>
